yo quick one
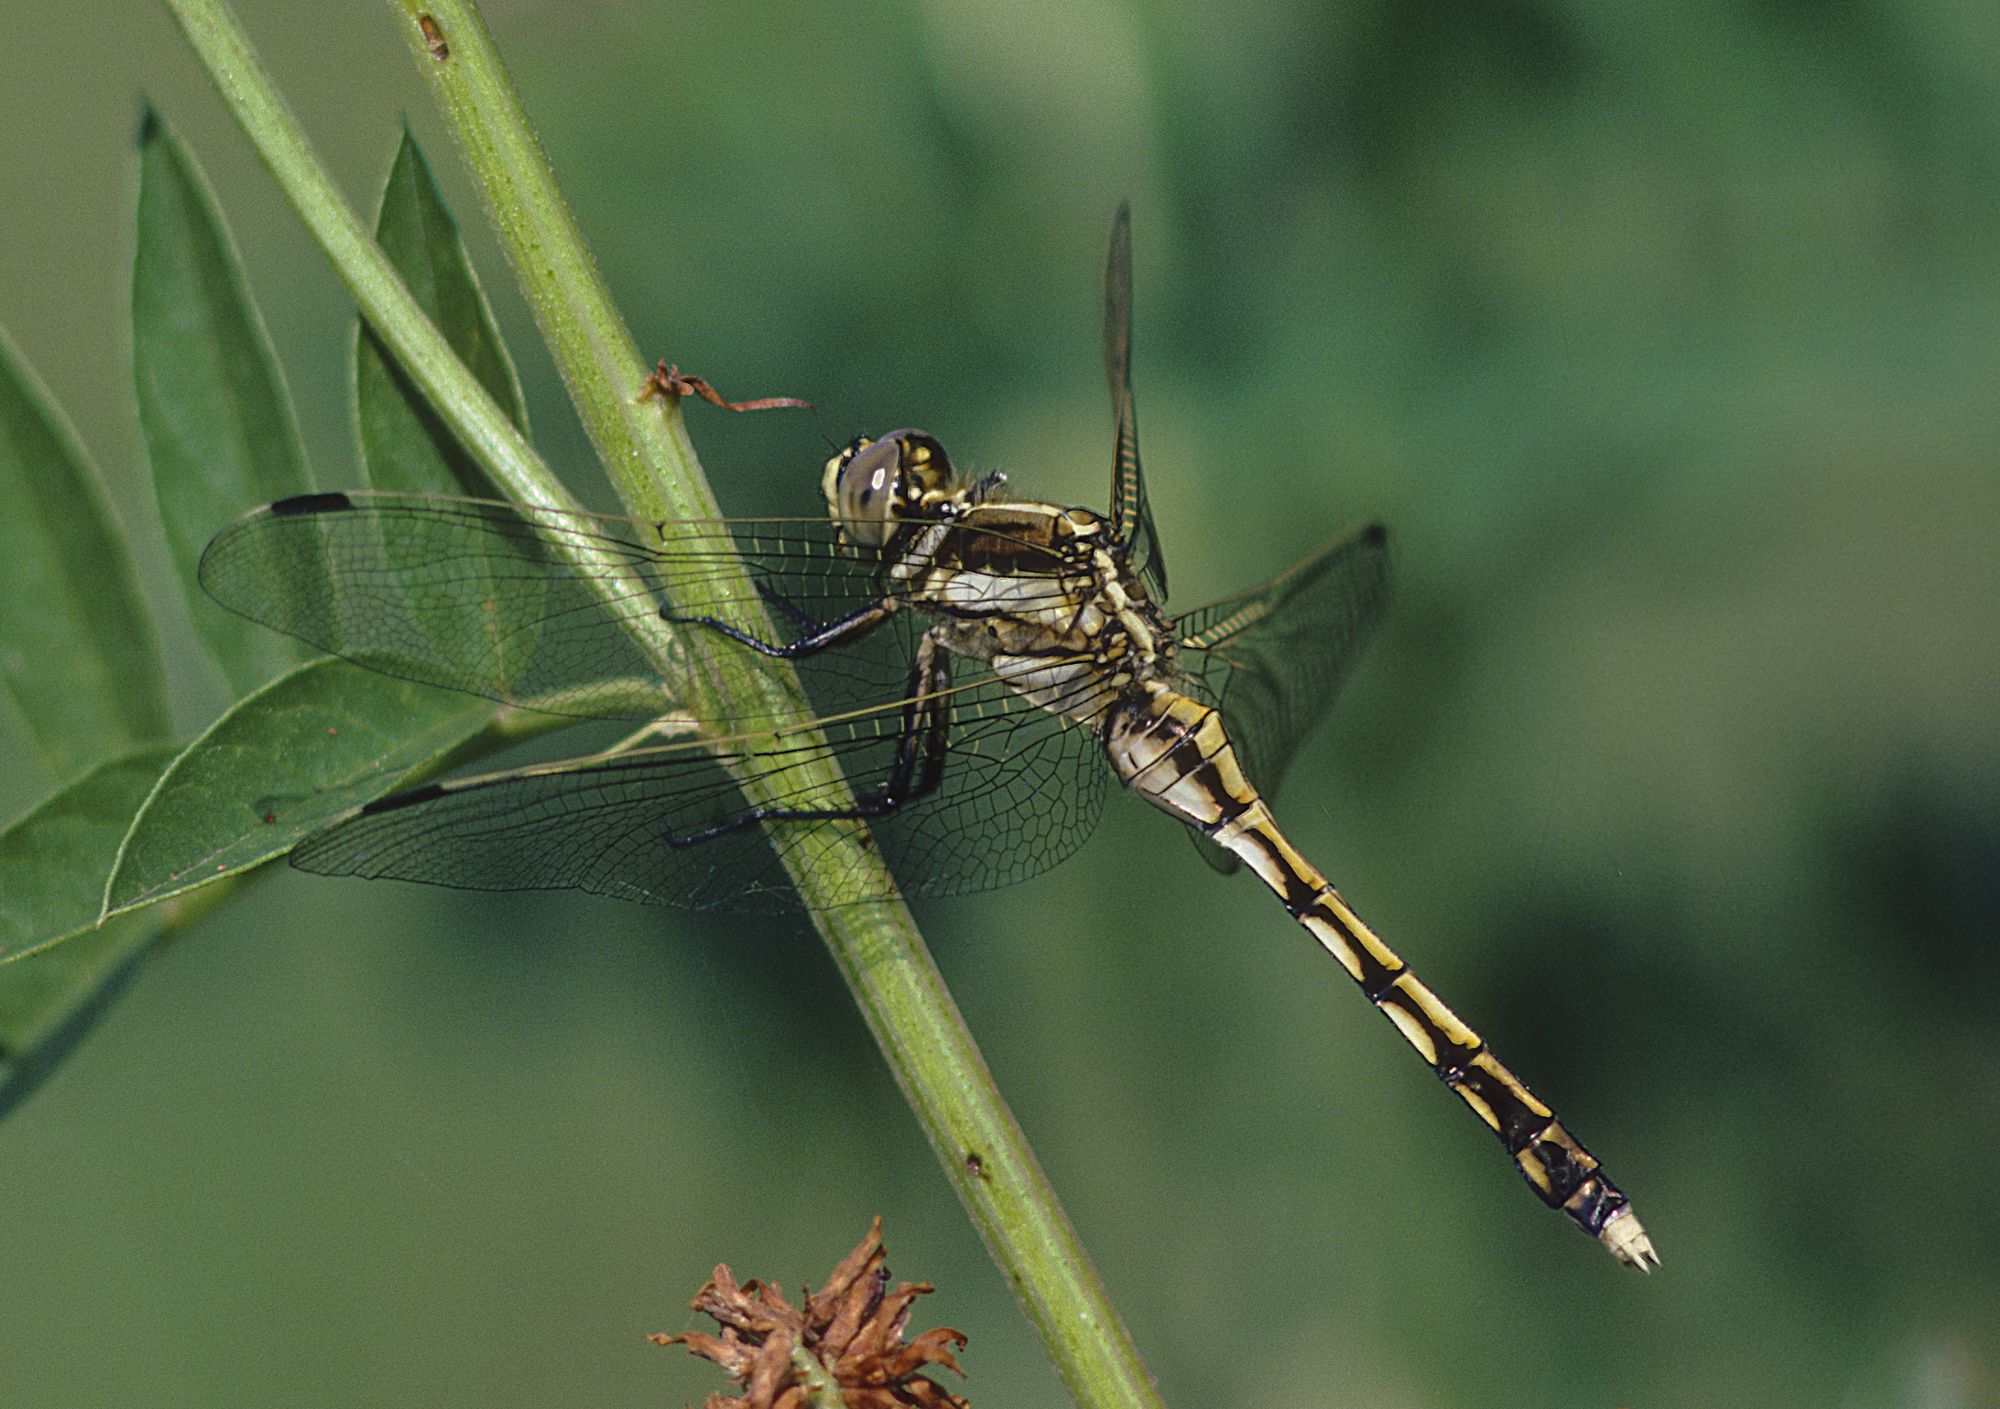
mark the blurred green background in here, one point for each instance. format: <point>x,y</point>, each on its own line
<point>1665,338</point>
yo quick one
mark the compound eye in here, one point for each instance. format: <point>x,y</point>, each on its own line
<point>861,491</point>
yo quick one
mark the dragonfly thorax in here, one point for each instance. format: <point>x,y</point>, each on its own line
<point>1041,594</point>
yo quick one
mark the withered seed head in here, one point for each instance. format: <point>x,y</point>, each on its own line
<point>850,1332</point>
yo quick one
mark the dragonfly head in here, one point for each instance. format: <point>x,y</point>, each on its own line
<point>873,486</point>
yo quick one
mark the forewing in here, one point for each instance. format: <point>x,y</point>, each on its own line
<point>1273,658</point>
<point>1131,515</point>
<point>517,604</point>
<point>666,825</point>
<point>473,595</point>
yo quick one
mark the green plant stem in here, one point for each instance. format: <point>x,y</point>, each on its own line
<point>225,50</point>
<point>646,451</point>
<point>821,1390</point>
<point>877,947</point>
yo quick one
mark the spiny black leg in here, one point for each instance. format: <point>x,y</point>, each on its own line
<point>837,632</point>
<point>799,615</point>
<point>922,737</point>
<point>940,727</point>
<point>930,674</point>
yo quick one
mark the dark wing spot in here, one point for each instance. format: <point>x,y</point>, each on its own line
<point>329,503</point>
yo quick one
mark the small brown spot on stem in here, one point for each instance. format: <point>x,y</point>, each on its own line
<point>434,37</point>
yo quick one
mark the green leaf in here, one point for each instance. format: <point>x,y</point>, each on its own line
<point>404,444</point>
<point>283,763</point>
<point>52,868</point>
<point>76,644</point>
<point>53,861</point>
<point>218,421</point>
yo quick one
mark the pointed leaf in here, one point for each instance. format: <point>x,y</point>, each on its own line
<point>54,860</point>
<point>404,445</point>
<point>76,644</point>
<point>217,419</point>
<point>281,764</point>
<point>52,868</point>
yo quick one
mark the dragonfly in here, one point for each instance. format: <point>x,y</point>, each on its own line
<point>979,665</point>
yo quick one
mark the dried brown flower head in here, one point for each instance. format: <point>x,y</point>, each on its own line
<point>844,1350</point>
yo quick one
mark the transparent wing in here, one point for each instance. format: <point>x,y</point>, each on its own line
<point>1273,658</point>
<point>488,598</point>
<point>1019,792</point>
<point>1131,515</point>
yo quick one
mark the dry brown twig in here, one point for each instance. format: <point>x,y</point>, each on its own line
<point>844,1348</point>
<point>673,383</point>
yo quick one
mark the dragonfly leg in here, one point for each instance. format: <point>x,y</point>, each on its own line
<point>916,773</point>
<point>925,732</point>
<point>800,617</point>
<point>837,632</point>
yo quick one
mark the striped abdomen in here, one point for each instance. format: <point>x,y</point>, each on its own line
<point>1175,753</point>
